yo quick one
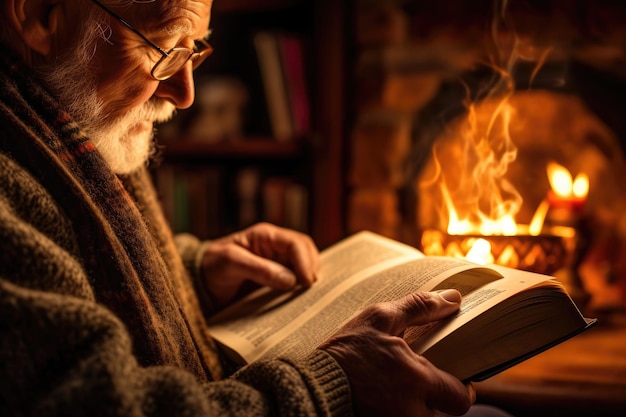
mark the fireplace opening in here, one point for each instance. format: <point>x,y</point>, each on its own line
<point>482,149</point>
<point>428,74</point>
<point>545,125</point>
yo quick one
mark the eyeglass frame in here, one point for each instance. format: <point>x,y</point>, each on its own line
<point>196,57</point>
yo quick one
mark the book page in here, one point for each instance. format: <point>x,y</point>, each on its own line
<point>357,272</point>
<point>249,323</point>
<point>476,300</point>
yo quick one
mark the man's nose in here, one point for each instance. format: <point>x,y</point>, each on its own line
<point>179,88</point>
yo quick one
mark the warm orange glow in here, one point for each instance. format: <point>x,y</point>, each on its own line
<point>480,252</point>
<point>560,180</point>
<point>485,202</point>
<point>563,185</point>
<point>508,257</point>
<point>545,253</point>
<point>476,195</point>
<point>580,188</point>
<point>536,224</point>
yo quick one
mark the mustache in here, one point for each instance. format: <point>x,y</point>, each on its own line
<point>157,110</point>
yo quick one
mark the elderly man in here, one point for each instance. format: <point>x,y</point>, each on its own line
<point>102,310</point>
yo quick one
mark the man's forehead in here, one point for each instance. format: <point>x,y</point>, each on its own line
<point>172,16</point>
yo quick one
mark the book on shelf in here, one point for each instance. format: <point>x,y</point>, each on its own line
<point>204,201</point>
<point>285,203</point>
<point>296,208</point>
<point>282,67</point>
<point>191,199</point>
<point>506,315</point>
<point>291,48</point>
<point>248,180</point>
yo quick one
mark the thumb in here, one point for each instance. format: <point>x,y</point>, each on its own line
<point>419,308</point>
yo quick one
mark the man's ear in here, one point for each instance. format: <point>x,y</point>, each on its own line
<point>35,21</point>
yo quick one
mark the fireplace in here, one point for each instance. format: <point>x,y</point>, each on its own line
<point>461,111</point>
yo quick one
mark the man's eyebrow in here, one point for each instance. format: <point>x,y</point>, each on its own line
<point>185,29</point>
<point>177,28</point>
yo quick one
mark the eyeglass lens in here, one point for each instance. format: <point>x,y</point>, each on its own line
<point>175,59</point>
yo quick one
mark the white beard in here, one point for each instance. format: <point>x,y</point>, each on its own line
<point>121,149</point>
<point>73,82</point>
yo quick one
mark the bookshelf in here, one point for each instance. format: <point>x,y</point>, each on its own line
<point>217,180</point>
<point>211,189</point>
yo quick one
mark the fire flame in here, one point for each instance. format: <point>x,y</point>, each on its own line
<point>563,185</point>
<point>484,201</point>
<point>477,197</point>
<point>480,252</point>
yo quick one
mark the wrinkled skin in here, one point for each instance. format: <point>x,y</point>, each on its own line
<point>264,255</point>
<point>386,377</point>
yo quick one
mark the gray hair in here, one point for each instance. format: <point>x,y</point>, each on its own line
<point>93,27</point>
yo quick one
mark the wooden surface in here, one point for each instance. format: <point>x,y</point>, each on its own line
<point>584,376</point>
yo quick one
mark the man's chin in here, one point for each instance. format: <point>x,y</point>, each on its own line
<point>129,153</point>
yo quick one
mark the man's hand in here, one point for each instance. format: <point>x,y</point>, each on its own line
<point>264,255</point>
<point>386,377</point>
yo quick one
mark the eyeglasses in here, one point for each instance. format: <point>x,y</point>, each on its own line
<point>173,60</point>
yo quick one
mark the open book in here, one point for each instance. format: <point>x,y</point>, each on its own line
<point>506,316</point>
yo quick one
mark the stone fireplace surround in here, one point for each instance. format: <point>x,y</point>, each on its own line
<point>410,58</point>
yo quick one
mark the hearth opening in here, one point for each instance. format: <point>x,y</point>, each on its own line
<point>520,161</point>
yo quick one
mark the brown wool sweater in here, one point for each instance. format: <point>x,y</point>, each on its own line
<point>98,310</point>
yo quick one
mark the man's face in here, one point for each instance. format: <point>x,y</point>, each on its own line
<point>105,82</point>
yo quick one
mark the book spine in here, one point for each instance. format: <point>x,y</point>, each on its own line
<point>274,85</point>
<point>204,202</point>
<point>296,208</point>
<point>291,49</point>
<point>248,195</point>
<point>285,203</point>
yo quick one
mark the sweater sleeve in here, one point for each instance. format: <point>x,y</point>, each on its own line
<point>321,375</point>
<point>64,354</point>
<point>189,247</point>
<point>191,250</point>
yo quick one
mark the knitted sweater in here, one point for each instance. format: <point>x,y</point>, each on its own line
<point>98,310</point>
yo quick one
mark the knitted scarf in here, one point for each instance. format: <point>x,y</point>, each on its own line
<point>126,247</point>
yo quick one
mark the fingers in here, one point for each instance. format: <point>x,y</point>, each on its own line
<point>405,383</point>
<point>413,310</point>
<point>305,261</point>
<point>290,248</point>
<point>263,254</point>
<point>244,264</point>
